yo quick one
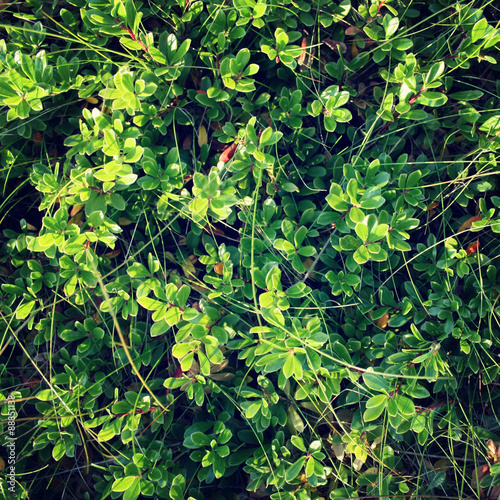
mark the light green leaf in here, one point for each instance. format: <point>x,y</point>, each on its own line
<point>361,255</point>
<point>479,30</point>
<point>123,484</point>
<point>373,413</point>
<point>376,382</point>
<point>362,231</point>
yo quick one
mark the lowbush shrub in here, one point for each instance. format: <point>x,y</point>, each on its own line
<point>257,251</point>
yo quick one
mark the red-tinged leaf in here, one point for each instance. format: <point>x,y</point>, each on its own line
<point>354,50</point>
<point>478,474</point>
<point>360,103</point>
<point>228,153</point>
<point>112,254</point>
<point>195,78</point>
<point>213,230</point>
<point>178,372</point>
<point>302,56</point>
<point>77,219</point>
<point>383,321</point>
<point>187,142</point>
<point>200,91</point>
<point>322,61</point>
<point>493,451</point>
<point>267,118</point>
<point>123,221</point>
<point>333,44</point>
<point>219,268</point>
<point>472,247</point>
<point>495,492</point>
<point>31,383</point>
<point>468,223</point>
<point>75,209</point>
<point>352,30</point>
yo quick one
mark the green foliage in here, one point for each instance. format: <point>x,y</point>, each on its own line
<point>256,251</point>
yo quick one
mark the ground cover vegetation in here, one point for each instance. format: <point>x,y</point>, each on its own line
<point>249,248</point>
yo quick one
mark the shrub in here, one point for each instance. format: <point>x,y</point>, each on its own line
<point>257,248</point>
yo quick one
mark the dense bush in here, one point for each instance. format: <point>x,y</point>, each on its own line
<point>257,250</point>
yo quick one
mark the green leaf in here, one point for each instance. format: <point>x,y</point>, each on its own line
<point>298,290</point>
<point>219,466</point>
<point>297,369</point>
<point>298,442</point>
<point>23,109</point>
<point>59,449</point>
<point>294,470</point>
<point>361,255</point>
<point>177,489</point>
<point>362,231</point>
<point>111,147</point>
<point>204,363</point>
<point>330,123</point>
<point>479,30</point>
<point>149,303</point>
<point>289,366</point>
<point>433,99</point>
<point>172,316</point>
<point>491,125</point>
<point>123,484</point>
<point>298,265</point>
<point>281,38</point>
<point>122,407</point>
<point>373,202</point>
<point>376,382</point>
<point>405,406</point>
<point>289,187</point>
<point>435,72</point>
<point>416,391</point>
<point>373,34</point>
<point>466,95</point>
<point>269,137</point>
<point>336,200</point>
<point>375,401</point>
<point>341,350</point>
<point>391,25</point>
<point>356,214</point>
<point>352,191</point>
<point>402,43</point>
<point>134,490</point>
<point>310,466</point>
<point>200,439</point>
<point>300,236</point>
<point>181,51</point>
<point>242,58</point>
<point>378,232</point>
<point>373,413</point>
<point>146,487</point>
<point>24,310</point>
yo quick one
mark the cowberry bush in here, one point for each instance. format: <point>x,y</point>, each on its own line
<point>250,248</point>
